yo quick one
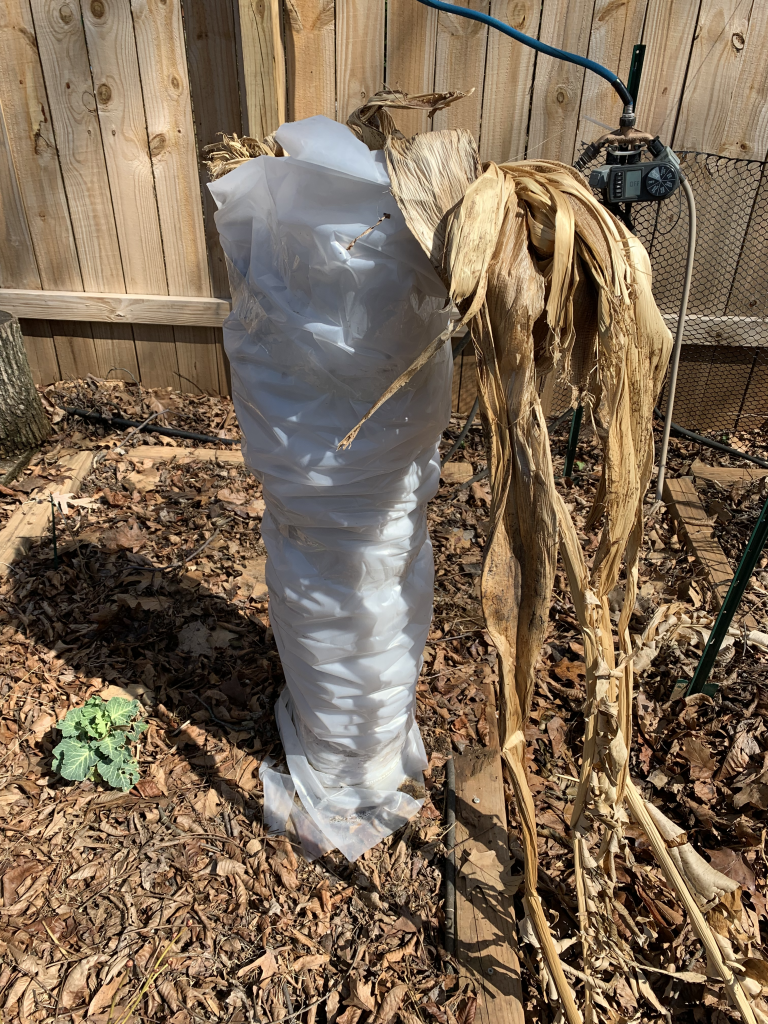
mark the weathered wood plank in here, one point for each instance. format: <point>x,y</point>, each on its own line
<point>156,355</point>
<point>116,308</point>
<point>263,66</point>
<point>509,81</point>
<point>558,84</point>
<point>615,30</point>
<point>198,364</point>
<point>310,53</point>
<point>75,350</point>
<point>359,52</point>
<point>115,351</point>
<point>411,44</point>
<point>114,64</point>
<point>18,268</point>
<point>727,475</point>
<point>460,64</point>
<point>745,132</point>
<point>753,411</point>
<point>165,87</point>
<point>167,453</point>
<point>70,90</point>
<point>668,35</point>
<point>41,351</point>
<point>486,931</point>
<point>212,57</point>
<point>28,122</point>
<point>695,529</point>
<point>30,522</point>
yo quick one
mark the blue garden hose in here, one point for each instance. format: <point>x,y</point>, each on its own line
<point>628,117</point>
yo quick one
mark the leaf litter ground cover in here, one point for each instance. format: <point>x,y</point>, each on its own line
<point>168,903</point>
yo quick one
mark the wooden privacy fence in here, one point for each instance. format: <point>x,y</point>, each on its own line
<point>107,243</point>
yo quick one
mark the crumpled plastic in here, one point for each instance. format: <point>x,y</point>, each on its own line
<point>333,298</point>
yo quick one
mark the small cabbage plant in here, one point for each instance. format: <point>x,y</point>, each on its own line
<point>96,743</point>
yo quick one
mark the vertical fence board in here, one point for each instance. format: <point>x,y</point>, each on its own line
<point>165,86</point>
<point>411,43</point>
<point>157,357</point>
<point>745,132</point>
<point>75,350</point>
<point>263,65</point>
<point>64,59</point>
<point>18,268</point>
<point>460,64</point>
<point>615,30</point>
<point>196,352</point>
<point>112,53</point>
<point>359,52</point>
<point>749,292</point>
<point>558,85</point>
<point>711,92</point>
<point>310,51</point>
<point>668,35</point>
<point>212,58</point>
<point>508,82</point>
<point>28,122</point>
<point>712,75</point>
<point>41,351</point>
<point>115,350</point>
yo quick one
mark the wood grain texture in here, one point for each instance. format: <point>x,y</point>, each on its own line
<point>212,58</point>
<point>115,351</point>
<point>33,519</point>
<point>486,930</point>
<point>67,73</point>
<point>28,122</point>
<point>558,84</point>
<point>460,64</point>
<point>749,293</point>
<point>411,44</point>
<point>75,350</point>
<point>198,364</point>
<point>713,75</point>
<point>615,30</point>
<point>359,52</point>
<point>117,87</point>
<point>668,35</point>
<point>156,356</point>
<point>693,524</point>
<point>222,362</point>
<point>116,308</point>
<point>18,268</point>
<point>508,82</point>
<point>310,53</point>
<point>41,351</point>
<point>263,66</point>
<point>746,129</point>
<point>165,85</point>
<point>168,453</point>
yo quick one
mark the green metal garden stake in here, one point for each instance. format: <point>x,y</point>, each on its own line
<point>573,440</point>
<point>53,530</point>
<point>749,560</point>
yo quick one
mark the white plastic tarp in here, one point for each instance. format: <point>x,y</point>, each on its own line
<point>333,298</point>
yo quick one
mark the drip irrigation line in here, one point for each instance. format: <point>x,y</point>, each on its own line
<point>119,421</point>
<point>689,435</point>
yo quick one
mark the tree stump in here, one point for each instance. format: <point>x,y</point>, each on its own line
<point>23,423</point>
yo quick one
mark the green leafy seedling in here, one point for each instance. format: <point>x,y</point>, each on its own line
<point>96,742</point>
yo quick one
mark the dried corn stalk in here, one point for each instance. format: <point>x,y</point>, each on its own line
<point>546,277</point>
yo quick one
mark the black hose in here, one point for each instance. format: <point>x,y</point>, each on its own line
<point>118,421</point>
<point>709,443</point>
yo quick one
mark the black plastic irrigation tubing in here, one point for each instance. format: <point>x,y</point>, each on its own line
<point>535,44</point>
<point>689,435</point>
<point>118,421</point>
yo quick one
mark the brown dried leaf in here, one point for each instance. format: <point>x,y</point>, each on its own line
<point>311,962</point>
<point>360,994</point>
<point>126,536</point>
<point>390,1004</point>
<point>699,756</point>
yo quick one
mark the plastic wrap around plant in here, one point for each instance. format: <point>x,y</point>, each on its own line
<point>332,299</point>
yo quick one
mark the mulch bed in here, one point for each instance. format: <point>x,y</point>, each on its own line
<point>169,902</point>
